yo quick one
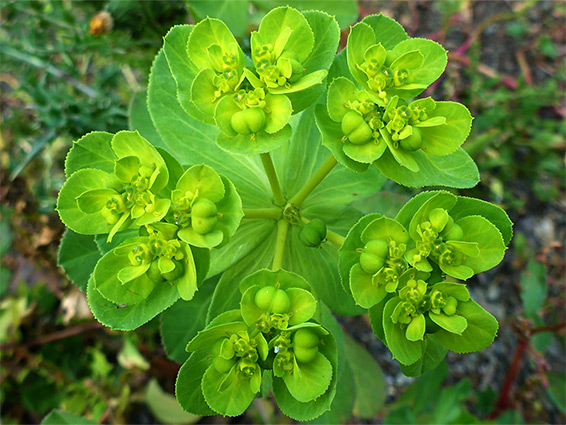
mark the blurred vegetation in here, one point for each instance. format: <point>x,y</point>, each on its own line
<point>68,68</point>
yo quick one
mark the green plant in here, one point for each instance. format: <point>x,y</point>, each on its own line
<point>186,220</point>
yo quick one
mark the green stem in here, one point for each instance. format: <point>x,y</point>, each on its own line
<point>269,213</point>
<point>335,238</point>
<point>272,177</point>
<point>314,181</point>
<point>282,228</point>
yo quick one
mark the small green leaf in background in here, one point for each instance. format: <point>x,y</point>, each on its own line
<point>369,380</point>
<point>164,406</point>
<point>449,406</point>
<point>59,417</point>
<point>557,390</point>
<point>533,288</point>
<point>129,356</point>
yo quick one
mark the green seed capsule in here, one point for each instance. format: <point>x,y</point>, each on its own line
<point>263,297</point>
<point>313,233</point>
<point>413,142</point>
<point>374,255</point>
<point>272,300</point>
<point>305,345</point>
<point>356,128</point>
<point>203,216</point>
<point>248,121</point>
<point>454,233</point>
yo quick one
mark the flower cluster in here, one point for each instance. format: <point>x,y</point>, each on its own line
<point>272,332</point>
<point>398,268</point>
<point>130,191</point>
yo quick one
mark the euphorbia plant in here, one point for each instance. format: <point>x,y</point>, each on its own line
<point>235,198</point>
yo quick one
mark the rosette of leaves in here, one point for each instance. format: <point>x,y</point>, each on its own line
<point>222,375</point>
<point>442,311</point>
<point>372,259</point>
<point>276,300</point>
<point>405,70</point>
<point>113,189</point>
<point>128,274</point>
<point>460,247</point>
<point>205,206</point>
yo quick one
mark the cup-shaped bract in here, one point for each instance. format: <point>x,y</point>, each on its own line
<point>274,301</point>
<point>461,248</point>
<point>380,261</point>
<point>280,48</point>
<point>405,70</point>
<point>300,362</point>
<point>213,49</point>
<point>444,310</point>
<point>128,273</point>
<point>205,206</point>
<point>233,378</point>
<point>96,201</point>
<point>253,121</point>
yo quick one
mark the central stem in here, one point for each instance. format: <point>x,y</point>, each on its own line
<point>272,177</point>
<point>314,181</point>
<point>282,228</point>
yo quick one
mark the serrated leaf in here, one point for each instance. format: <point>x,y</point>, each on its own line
<point>405,351</point>
<point>309,380</point>
<point>445,139</point>
<point>479,334</point>
<point>82,181</point>
<point>496,215</point>
<point>128,318</point>
<point>433,354</point>
<point>455,170</point>
<point>188,385</point>
<point>387,31</point>
<point>490,242</point>
<point>231,400</point>
<point>78,255</point>
<point>91,151</point>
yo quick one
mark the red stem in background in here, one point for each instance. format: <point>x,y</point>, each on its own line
<point>503,399</point>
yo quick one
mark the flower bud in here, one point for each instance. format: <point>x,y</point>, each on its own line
<point>374,255</point>
<point>313,233</point>
<point>356,128</point>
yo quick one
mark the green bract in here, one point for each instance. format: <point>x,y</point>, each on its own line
<point>276,300</point>
<point>329,129</point>
<point>97,200</point>
<point>206,207</point>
